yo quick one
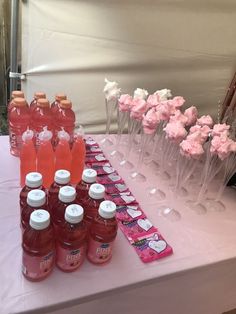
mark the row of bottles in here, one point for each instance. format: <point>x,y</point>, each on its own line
<point>36,116</point>
<point>47,160</point>
<point>82,223</point>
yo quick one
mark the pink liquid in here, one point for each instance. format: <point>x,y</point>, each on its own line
<point>38,253</point>
<point>90,206</point>
<point>71,246</point>
<point>34,102</point>
<point>41,117</point>
<point>19,120</point>
<point>102,235</point>
<point>45,163</point>
<point>25,215</point>
<point>23,195</point>
<point>65,118</point>
<point>63,155</point>
<point>82,189</point>
<point>53,195</point>
<point>78,158</point>
<point>58,214</point>
<point>27,160</point>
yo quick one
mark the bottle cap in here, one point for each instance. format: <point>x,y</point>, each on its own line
<point>74,214</point>
<point>43,103</point>
<point>36,198</point>
<point>60,97</point>
<point>66,104</point>
<point>39,219</point>
<point>27,135</point>
<point>63,135</point>
<point>62,176</point>
<point>67,194</point>
<point>17,94</point>
<point>107,209</point>
<point>97,191</point>
<point>39,95</point>
<point>19,102</point>
<point>45,135</point>
<point>33,179</point>
<point>89,176</point>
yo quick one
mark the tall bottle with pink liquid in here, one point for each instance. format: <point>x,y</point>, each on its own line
<point>62,151</point>
<point>37,95</point>
<point>19,120</point>
<point>56,104</point>
<point>78,153</point>
<point>41,117</point>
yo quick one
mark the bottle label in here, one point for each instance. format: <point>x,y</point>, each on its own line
<point>99,252</point>
<point>37,267</point>
<point>15,141</point>
<point>70,259</point>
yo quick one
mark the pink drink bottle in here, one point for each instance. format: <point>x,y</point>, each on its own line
<point>33,104</point>
<point>19,119</point>
<point>62,152</point>
<point>41,117</point>
<point>33,181</point>
<point>71,240</point>
<point>102,234</point>
<point>89,177</point>
<point>56,103</point>
<point>27,155</point>
<point>67,195</point>
<point>36,199</point>
<point>92,202</point>
<point>65,118</point>
<point>61,178</point>
<point>14,94</point>
<point>78,153</point>
<point>45,158</point>
<point>38,247</point>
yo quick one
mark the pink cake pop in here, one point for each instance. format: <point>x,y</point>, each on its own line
<point>150,121</point>
<point>220,129</point>
<point>191,113</point>
<point>139,107</point>
<point>191,149</point>
<point>175,131</point>
<point>205,120</point>
<point>125,102</point>
<point>152,100</point>
<point>178,117</point>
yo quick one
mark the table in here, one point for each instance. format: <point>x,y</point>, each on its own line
<point>199,278</point>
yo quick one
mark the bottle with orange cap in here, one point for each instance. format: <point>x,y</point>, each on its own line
<point>45,157</point>
<point>33,104</point>
<point>65,118</point>
<point>15,94</point>
<point>41,117</point>
<point>56,103</point>
<point>19,119</point>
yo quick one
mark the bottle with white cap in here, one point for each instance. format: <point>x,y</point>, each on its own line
<point>71,240</point>
<point>66,196</point>
<point>38,247</point>
<point>92,202</point>
<point>102,234</point>
<point>89,176</point>
<point>33,180</point>
<point>36,199</point>
<point>61,178</point>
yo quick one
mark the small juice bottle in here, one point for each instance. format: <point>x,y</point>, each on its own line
<point>27,155</point>
<point>89,177</point>
<point>92,202</point>
<point>67,195</point>
<point>37,95</point>
<point>62,152</point>
<point>38,247</point>
<point>33,181</point>
<point>102,234</point>
<point>78,153</point>
<point>72,240</point>
<point>61,178</point>
<point>36,199</point>
<point>56,103</point>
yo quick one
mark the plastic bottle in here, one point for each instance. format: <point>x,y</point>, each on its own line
<point>65,118</point>
<point>37,95</point>
<point>67,195</point>
<point>19,119</point>
<point>89,177</point>
<point>71,242</point>
<point>41,117</point>
<point>92,202</point>
<point>33,181</point>
<point>14,94</point>
<point>62,151</point>
<point>36,199</point>
<point>61,178</point>
<point>27,155</point>
<point>102,234</point>
<point>45,158</point>
<point>38,247</point>
<point>78,153</point>
<point>55,104</point>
